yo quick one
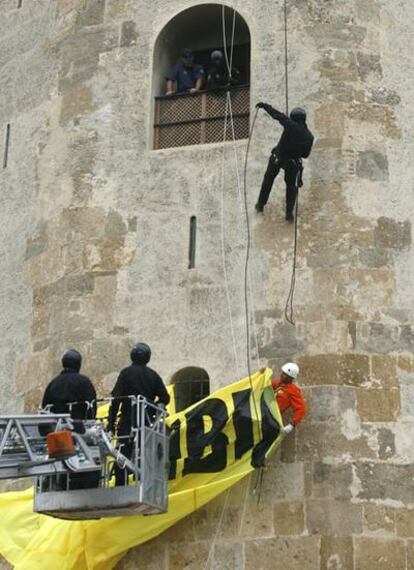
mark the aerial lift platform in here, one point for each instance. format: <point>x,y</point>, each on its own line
<point>62,452</point>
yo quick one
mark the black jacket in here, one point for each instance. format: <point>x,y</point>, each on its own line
<point>68,387</point>
<point>296,140</point>
<point>135,380</point>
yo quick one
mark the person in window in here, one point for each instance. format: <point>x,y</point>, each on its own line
<point>218,76</point>
<point>187,75</point>
<point>138,379</point>
<point>294,144</point>
<point>72,393</point>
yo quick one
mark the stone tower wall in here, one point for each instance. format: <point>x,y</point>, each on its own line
<point>94,232</point>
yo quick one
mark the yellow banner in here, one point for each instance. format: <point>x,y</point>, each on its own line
<point>212,446</point>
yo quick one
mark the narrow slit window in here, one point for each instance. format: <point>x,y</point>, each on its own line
<point>192,249</point>
<point>6,146</point>
<point>19,3</point>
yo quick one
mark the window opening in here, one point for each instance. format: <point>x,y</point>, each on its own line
<point>19,3</point>
<point>6,146</point>
<point>182,119</point>
<point>191,385</point>
<point>193,232</point>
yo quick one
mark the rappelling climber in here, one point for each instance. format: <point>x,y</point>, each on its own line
<point>289,396</point>
<point>138,379</point>
<point>72,393</point>
<point>294,144</point>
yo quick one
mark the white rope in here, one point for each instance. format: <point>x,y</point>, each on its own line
<point>223,249</point>
<point>213,544</point>
<point>240,198</point>
<point>228,102</point>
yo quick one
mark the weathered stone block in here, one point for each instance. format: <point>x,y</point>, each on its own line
<point>380,554</point>
<point>373,335</point>
<point>407,338</point>
<point>38,243</point>
<point>337,553</point>
<point>386,443</point>
<point>378,405</point>
<point>330,402</point>
<point>92,13</point>
<point>77,101</point>
<point>151,556</point>
<point>347,369</point>
<point>368,63</point>
<point>378,519</point>
<point>228,556</point>
<point>405,523</point>
<point>330,480</point>
<point>372,165</point>
<point>380,481</point>
<point>384,370</point>
<point>330,517</point>
<point>393,234</point>
<point>191,556</point>
<point>410,555</point>
<point>292,553</point>
<point>115,225</point>
<point>375,257</point>
<point>345,436</point>
<point>129,35</point>
<point>289,518</point>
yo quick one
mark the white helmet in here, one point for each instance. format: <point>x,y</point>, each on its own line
<point>291,369</point>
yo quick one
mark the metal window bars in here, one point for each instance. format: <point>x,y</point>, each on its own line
<point>196,118</point>
<point>59,484</point>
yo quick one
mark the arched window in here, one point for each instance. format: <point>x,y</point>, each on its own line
<point>191,385</point>
<point>186,119</point>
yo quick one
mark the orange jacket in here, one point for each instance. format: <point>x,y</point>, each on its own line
<point>290,396</point>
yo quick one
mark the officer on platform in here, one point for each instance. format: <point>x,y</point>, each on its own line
<point>138,379</point>
<point>294,144</point>
<point>72,393</point>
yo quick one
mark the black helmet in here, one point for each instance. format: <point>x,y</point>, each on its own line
<point>72,359</point>
<point>216,55</point>
<point>298,114</point>
<point>140,353</point>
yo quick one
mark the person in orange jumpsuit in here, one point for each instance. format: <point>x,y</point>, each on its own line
<point>289,396</point>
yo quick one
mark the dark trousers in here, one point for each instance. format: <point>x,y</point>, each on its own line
<point>292,169</point>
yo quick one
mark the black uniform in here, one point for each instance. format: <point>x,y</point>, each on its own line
<point>135,380</point>
<point>295,143</point>
<point>218,77</point>
<point>68,387</point>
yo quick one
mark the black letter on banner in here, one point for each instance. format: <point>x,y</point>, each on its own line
<point>243,425</point>
<point>270,431</point>
<point>197,440</point>
<point>175,452</point>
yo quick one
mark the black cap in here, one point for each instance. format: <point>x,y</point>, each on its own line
<point>186,53</point>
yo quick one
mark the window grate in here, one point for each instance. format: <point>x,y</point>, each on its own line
<point>189,119</point>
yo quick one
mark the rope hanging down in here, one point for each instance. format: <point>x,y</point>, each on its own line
<point>290,298</point>
<point>229,61</point>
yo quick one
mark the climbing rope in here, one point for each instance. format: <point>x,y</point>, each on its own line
<point>223,250</point>
<point>290,298</point>
<point>248,245</point>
